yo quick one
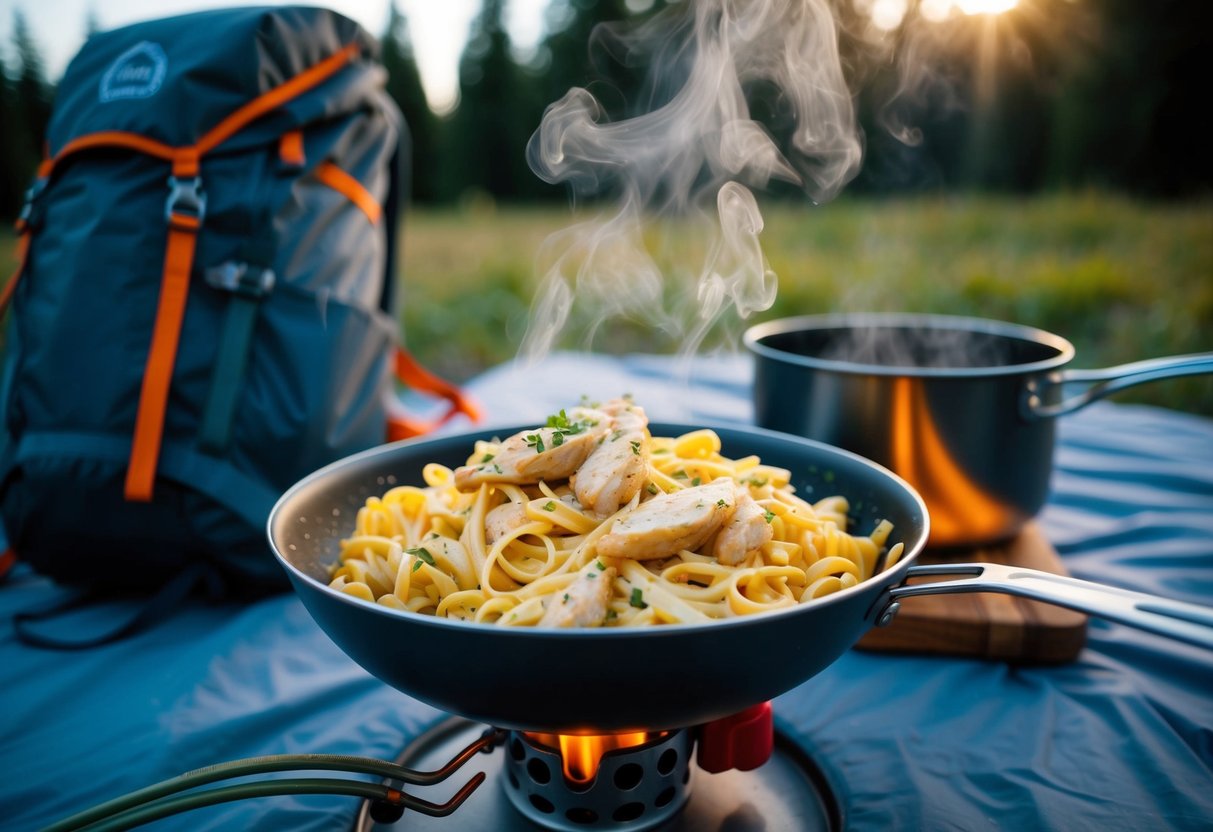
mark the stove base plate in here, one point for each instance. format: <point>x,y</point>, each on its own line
<point>788,793</point>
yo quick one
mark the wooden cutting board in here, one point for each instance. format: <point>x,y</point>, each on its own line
<point>987,624</point>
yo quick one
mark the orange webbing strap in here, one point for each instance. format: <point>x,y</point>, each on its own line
<point>24,231</point>
<point>178,261</point>
<point>158,372</point>
<point>290,149</point>
<point>409,372</point>
<point>6,294</point>
<point>350,188</point>
<point>276,97</point>
<point>114,138</point>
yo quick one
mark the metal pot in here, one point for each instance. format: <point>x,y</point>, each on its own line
<point>615,679</point>
<point>962,408</point>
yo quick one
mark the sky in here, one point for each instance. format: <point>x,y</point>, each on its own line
<point>438,28</point>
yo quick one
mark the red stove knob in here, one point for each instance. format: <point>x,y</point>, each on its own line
<point>742,741</point>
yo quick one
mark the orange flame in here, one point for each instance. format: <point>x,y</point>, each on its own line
<point>581,754</point>
<point>961,512</point>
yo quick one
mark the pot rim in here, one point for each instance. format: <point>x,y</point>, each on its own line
<point>755,335</point>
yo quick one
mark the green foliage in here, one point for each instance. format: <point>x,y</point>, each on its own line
<point>404,85</point>
<point>1124,280</point>
<point>497,112</point>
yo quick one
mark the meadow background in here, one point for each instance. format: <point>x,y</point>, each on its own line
<point>1122,278</point>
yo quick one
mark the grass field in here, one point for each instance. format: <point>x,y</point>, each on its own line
<point>1124,280</point>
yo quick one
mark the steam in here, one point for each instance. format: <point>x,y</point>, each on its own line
<point>696,156</point>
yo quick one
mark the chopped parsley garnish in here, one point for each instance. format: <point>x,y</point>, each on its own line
<point>637,599</point>
<point>758,481</point>
<point>598,563</point>
<point>651,488</point>
<point>534,440</point>
<point>696,481</point>
<point>591,574</point>
<point>563,426</point>
<point>487,457</point>
<point>680,475</point>
<point>496,467</point>
<point>566,598</point>
<point>416,565</point>
<point>421,553</point>
<point>635,448</point>
<point>769,516</point>
<point>612,615</point>
<point>615,434</point>
<point>550,505</point>
<point>722,503</point>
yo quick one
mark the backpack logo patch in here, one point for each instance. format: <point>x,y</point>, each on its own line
<point>137,73</point>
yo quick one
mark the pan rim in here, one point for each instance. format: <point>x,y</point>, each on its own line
<point>888,578</point>
<point>753,341</point>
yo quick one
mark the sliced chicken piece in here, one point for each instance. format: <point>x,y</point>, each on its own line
<point>504,519</point>
<point>615,470</point>
<point>669,523</point>
<point>546,454</point>
<point>625,414</point>
<point>584,601</point>
<point>745,531</point>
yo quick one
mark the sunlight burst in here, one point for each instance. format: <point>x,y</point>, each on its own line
<point>986,6</point>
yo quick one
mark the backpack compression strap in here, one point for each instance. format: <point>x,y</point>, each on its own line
<point>408,371</point>
<point>25,228</point>
<point>6,294</point>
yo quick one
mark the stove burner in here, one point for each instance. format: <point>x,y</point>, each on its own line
<point>789,792</point>
<point>634,788</point>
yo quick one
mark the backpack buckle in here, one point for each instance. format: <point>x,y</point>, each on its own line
<point>25,220</point>
<point>186,204</point>
<point>241,278</point>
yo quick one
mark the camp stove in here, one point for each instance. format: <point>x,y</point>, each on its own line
<point>736,773</point>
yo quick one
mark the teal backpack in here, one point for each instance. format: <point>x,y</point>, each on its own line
<point>203,313</point>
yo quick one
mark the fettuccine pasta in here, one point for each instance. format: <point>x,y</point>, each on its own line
<point>696,536</point>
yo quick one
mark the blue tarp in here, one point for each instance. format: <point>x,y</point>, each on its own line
<point>1121,739</point>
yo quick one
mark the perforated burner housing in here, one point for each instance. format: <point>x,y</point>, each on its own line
<point>634,788</point>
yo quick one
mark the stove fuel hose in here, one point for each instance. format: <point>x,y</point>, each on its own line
<point>154,802</point>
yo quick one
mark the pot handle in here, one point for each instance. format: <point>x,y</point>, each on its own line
<point>1108,380</point>
<point>1191,623</point>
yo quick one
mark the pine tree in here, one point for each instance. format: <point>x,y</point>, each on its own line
<point>33,93</point>
<point>579,58</point>
<point>25,108</point>
<point>497,112</point>
<point>14,161</point>
<point>404,85</point>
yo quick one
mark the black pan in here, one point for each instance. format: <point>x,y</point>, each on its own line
<point>615,679</point>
